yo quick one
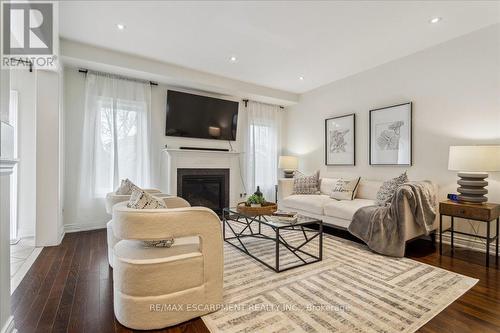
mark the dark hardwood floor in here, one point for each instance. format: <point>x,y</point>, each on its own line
<point>69,289</point>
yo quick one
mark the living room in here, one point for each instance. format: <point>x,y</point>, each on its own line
<point>218,166</point>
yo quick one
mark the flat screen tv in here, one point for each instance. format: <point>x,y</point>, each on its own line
<point>195,116</point>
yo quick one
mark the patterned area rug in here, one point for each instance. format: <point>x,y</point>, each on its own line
<point>351,290</point>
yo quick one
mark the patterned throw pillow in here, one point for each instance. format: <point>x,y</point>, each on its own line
<point>305,184</point>
<point>389,188</point>
<point>345,189</point>
<point>143,200</point>
<point>126,187</point>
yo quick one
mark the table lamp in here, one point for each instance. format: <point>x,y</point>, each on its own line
<point>472,164</point>
<point>289,164</point>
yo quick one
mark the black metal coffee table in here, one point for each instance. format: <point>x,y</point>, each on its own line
<point>242,228</point>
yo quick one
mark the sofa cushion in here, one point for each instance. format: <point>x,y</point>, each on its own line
<point>345,209</point>
<point>367,189</point>
<point>148,271</point>
<point>312,203</point>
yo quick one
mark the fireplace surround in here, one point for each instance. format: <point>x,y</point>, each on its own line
<point>204,187</point>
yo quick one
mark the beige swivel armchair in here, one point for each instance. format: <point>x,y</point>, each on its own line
<point>113,198</point>
<point>160,287</point>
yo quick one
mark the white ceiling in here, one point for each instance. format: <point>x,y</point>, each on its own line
<point>275,42</point>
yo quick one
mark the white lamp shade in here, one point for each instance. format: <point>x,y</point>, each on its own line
<point>288,163</point>
<point>474,158</point>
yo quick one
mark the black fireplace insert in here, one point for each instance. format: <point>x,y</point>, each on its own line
<point>204,187</point>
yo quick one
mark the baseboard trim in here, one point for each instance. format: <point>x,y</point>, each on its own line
<point>69,228</point>
<point>466,242</point>
<point>9,326</point>
<point>61,236</point>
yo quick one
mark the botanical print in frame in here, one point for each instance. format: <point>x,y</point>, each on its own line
<point>391,135</point>
<point>340,148</point>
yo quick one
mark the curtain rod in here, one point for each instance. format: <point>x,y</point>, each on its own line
<point>246,103</point>
<point>85,71</point>
<point>28,62</point>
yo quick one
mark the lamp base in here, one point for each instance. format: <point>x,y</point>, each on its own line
<point>288,173</point>
<point>472,187</point>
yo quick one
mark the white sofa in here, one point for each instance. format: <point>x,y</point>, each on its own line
<point>339,213</point>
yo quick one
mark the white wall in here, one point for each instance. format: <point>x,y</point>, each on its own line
<point>455,90</point>
<point>5,314</point>
<point>87,56</point>
<point>74,100</point>
<point>39,155</point>
<point>25,83</point>
<point>48,207</point>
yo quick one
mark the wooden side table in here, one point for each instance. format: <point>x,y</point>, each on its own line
<point>486,212</point>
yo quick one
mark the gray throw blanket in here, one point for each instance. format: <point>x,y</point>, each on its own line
<point>382,228</point>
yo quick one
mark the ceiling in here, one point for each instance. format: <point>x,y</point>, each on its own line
<point>274,42</point>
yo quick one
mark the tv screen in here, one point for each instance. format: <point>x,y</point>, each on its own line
<point>195,116</point>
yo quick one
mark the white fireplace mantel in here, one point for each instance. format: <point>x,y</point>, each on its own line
<point>7,166</point>
<point>173,159</point>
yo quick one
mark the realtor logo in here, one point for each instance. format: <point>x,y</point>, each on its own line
<point>28,34</point>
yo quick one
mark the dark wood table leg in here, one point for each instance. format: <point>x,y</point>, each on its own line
<point>452,228</point>
<point>496,245</point>
<point>440,234</point>
<point>488,226</point>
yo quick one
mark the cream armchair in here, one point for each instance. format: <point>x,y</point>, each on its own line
<point>112,199</point>
<point>160,287</point>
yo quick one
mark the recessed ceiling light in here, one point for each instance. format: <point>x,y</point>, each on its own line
<point>301,78</point>
<point>435,19</point>
<point>120,26</point>
<point>233,59</point>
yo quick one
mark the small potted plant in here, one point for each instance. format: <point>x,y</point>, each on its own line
<point>255,200</point>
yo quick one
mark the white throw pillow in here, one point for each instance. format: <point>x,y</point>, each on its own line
<point>326,185</point>
<point>345,189</point>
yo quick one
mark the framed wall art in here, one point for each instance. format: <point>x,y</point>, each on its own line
<point>340,148</point>
<point>391,135</point>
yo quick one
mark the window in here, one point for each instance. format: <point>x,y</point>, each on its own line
<point>117,148</point>
<point>261,139</point>
<point>262,147</point>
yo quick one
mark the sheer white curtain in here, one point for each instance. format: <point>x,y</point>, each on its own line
<point>262,147</point>
<point>116,140</point>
